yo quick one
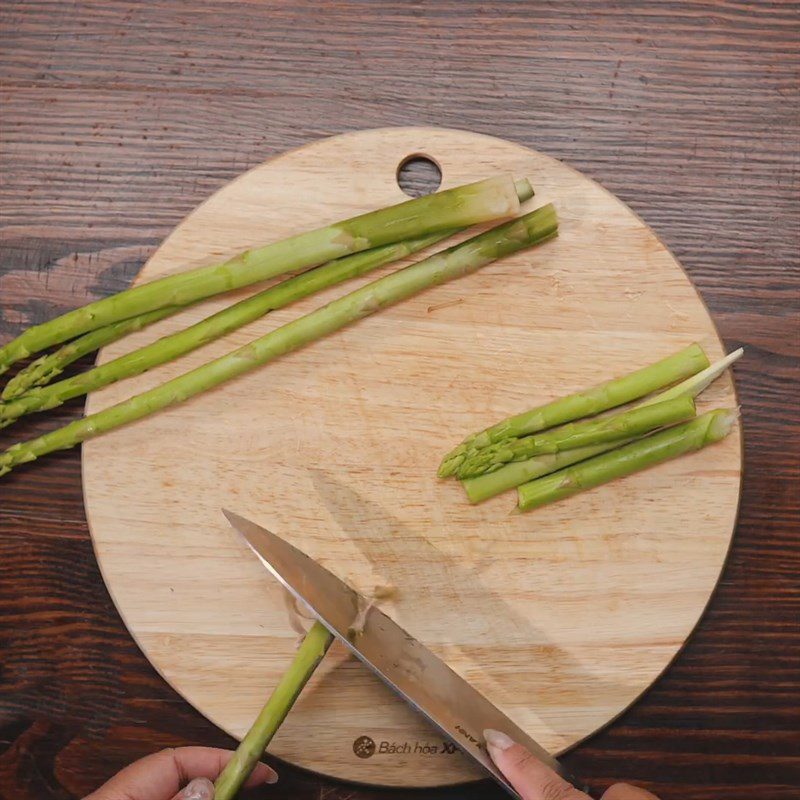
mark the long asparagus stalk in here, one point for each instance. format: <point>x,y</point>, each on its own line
<point>49,366</point>
<point>628,424</point>
<point>607,395</point>
<point>439,268</point>
<point>252,747</point>
<point>516,473</point>
<point>633,457</point>
<point>207,330</point>
<point>447,210</point>
<point>170,347</point>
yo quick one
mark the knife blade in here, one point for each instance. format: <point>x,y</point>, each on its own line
<point>413,671</point>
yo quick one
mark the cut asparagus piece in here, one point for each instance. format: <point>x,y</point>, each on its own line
<point>207,330</point>
<point>44,369</point>
<point>638,455</point>
<point>455,262</point>
<point>516,473</point>
<point>628,424</point>
<point>460,207</point>
<point>252,747</point>
<point>610,394</point>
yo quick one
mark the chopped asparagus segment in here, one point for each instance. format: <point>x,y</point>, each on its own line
<point>516,473</point>
<point>610,394</point>
<point>628,424</point>
<point>634,457</point>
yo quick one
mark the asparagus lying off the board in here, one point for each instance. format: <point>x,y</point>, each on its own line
<point>516,473</point>
<point>484,201</point>
<point>167,348</point>
<point>455,262</point>
<point>44,369</point>
<point>21,396</point>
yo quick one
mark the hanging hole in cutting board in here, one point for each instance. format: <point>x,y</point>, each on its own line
<point>418,175</point>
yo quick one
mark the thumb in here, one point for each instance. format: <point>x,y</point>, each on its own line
<point>197,789</point>
<point>532,779</point>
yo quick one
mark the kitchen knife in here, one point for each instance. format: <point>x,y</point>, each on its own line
<point>420,677</point>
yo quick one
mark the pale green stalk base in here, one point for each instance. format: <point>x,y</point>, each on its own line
<point>600,398</point>
<point>516,473</point>
<point>491,199</point>
<point>252,747</point>
<point>590,432</point>
<point>44,369</point>
<point>453,263</point>
<point>633,457</point>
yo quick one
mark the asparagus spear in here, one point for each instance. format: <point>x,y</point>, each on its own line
<point>585,433</point>
<point>44,369</point>
<point>439,268</point>
<point>606,395</point>
<point>209,329</point>
<point>252,747</point>
<point>435,213</point>
<point>516,473</point>
<point>633,457</point>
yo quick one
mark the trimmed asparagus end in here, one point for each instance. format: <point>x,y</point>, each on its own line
<point>524,189</point>
<point>721,424</point>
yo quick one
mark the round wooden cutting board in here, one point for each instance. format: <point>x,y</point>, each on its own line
<point>562,617</point>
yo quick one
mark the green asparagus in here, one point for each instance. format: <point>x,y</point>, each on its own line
<point>607,395</point>
<point>516,473</point>
<point>628,424</point>
<point>44,369</point>
<point>447,210</point>
<point>638,455</point>
<point>455,262</point>
<point>252,747</point>
<point>207,330</point>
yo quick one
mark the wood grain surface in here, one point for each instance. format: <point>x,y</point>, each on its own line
<point>118,118</point>
<point>335,447</point>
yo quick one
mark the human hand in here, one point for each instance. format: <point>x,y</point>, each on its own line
<point>536,781</point>
<point>185,773</point>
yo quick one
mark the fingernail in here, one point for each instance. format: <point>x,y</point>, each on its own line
<point>497,741</point>
<point>272,777</point>
<point>198,789</point>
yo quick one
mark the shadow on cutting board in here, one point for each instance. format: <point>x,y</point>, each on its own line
<point>390,547</point>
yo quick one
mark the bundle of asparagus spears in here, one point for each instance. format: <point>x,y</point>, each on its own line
<point>324,257</point>
<point>559,449</point>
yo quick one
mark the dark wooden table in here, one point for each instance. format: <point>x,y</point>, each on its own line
<point>118,118</point>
